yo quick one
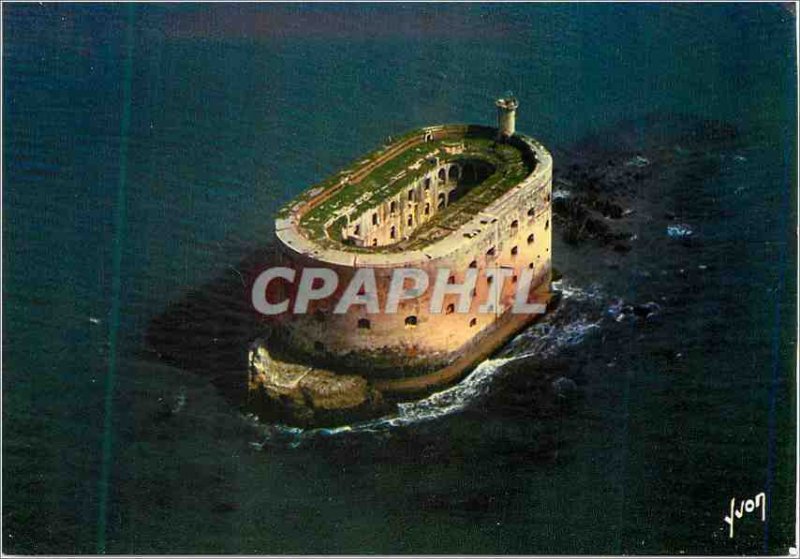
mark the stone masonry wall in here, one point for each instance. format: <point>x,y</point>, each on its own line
<point>514,232</point>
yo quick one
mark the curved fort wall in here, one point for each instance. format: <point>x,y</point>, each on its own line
<point>512,231</point>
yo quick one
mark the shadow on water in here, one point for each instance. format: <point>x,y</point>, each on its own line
<point>208,331</point>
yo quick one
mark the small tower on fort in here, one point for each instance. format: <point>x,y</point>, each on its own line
<point>506,116</point>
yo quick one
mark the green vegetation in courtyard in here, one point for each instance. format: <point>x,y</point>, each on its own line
<point>510,167</point>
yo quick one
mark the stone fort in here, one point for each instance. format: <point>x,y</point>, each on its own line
<point>447,196</point>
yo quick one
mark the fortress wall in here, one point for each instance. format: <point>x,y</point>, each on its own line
<point>426,134</point>
<point>436,338</point>
<point>356,177</point>
<point>391,152</point>
<point>433,132</point>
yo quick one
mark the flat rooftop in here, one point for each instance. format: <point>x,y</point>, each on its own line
<point>321,211</point>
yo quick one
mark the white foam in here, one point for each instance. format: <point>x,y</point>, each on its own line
<point>637,161</point>
<point>679,231</point>
<point>543,339</point>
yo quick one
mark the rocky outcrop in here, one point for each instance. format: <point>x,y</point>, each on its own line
<point>304,395</point>
<point>598,185</point>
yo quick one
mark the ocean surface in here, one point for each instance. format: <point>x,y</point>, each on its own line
<point>145,150</point>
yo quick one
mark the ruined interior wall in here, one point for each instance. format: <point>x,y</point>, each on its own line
<point>399,216</point>
<point>431,133</point>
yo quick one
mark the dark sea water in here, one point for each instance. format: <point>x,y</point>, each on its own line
<point>146,149</point>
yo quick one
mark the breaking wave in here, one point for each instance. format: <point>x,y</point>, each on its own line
<point>563,328</point>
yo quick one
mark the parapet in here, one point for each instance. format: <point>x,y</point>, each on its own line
<point>419,198</point>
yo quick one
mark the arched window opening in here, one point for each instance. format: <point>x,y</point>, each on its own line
<point>453,173</point>
<point>392,207</point>
<point>515,224</point>
<point>427,183</point>
<point>427,209</point>
<point>442,200</point>
<point>393,232</point>
<point>363,324</point>
<point>451,308</point>
<point>410,221</point>
<point>411,321</point>
<point>410,195</point>
<point>451,280</point>
<point>530,266</point>
<point>532,212</point>
<point>514,251</point>
<point>374,219</point>
<point>442,174</point>
<point>473,322</point>
<point>473,264</point>
<point>357,230</point>
<point>374,242</point>
<point>531,238</point>
<point>490,252</point>
<point>547,225</point>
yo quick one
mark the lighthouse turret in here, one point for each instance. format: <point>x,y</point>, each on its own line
<point>506,116</point>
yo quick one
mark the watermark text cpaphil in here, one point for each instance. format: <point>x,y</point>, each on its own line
<point>315,284</point>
